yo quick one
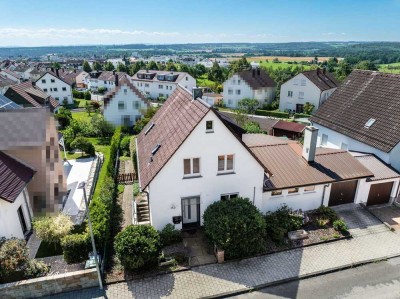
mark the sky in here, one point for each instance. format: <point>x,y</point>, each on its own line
<point>86,22</point>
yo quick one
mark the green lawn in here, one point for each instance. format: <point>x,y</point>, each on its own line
<point>203,81</point>
<point>72,156</point>
<point>393,68</point>
<point>101,145</point>
<point>84,116</point>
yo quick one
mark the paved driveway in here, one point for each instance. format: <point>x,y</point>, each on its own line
<point>372,240</point>
<point>388,214</point>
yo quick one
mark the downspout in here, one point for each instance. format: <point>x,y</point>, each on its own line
<point>254,194</point>
<point>323,194</point>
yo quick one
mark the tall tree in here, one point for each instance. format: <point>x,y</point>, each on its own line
<point>96,66</point>
<point>366,65</point>
<point>86,67</point>
<point>239,65</point>
<point>109,66</point>
<point>152,65</point>
<point>215,73</point>
<point>170,66</point>
<point>121,67</point>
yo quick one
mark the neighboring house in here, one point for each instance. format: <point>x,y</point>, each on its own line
<point>212,98</point>
<point>6,73</point>
<point>24,71</point>
<point>156,84</point>
<point>311,86</point>
<point>36,73</point>
<point>124,105</point>
<point>189,157</point>
<point>82,79</point>
<point>104,79</point>
<point>252,84</point>
<point>288,129</point>
<point>27,94</point>
<point>116,61</point>
<point>5,83</point>
<point>30,136</point>
<point>15,210</point>
<point>363,115</point>
<point>57,85</point>
<point>266,123</point>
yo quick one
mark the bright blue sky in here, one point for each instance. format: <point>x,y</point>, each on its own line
<point>72,22</point>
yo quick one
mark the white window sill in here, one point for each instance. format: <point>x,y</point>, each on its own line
<point>306,192</point>
<point>192,176</point>
<point>276,196</point>
<point>293,194</point>
<point>225,173</point>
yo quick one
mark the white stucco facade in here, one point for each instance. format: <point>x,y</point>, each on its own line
<point>300,90</point>
<point>334,139</point>
<point>55,87</point>
<point>169,186</point>
<point>237,89</point>
<point>10,224</point>
<point>95,83</point>
<point>125,107</point>
<point>364,187</point>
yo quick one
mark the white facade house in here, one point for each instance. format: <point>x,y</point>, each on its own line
<point>15,210</point>
<point>55,86</point>
<point>357,116</point>
<point>208,160</point>
<point>124,105</point>
<point>5,83</point>
<point>9,74</point>
<point>252,84</point>
<point>116,61</point>
<point>105,79</point>
<point>156,84</point>
<point>311,86</point>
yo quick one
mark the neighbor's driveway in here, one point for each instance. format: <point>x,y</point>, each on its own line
<point>372,240</point>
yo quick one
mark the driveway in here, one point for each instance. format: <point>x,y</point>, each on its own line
<point>388,214</point>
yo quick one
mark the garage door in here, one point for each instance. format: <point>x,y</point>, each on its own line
<point>379,193</point>
<point>342,193</point>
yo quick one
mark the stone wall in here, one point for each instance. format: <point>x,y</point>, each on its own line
<point>48,285</point>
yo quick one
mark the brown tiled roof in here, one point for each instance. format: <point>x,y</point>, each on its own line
<point>173,123</point>
<point>11,73</point>
<point>265,123</point>
<point>365,95</point>
<point>66,77</point>
<point>284,160</point>
<point>5,81</point>
<point>180,75</point>
<point>13,177</point>
<point>380,170</point>
<point>289,126</point>
<point>257,78</point>
<point>322,81</point>
<point>108,97</point>
<point>110,76</point>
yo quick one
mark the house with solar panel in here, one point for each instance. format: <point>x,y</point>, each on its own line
<point>190,156</point>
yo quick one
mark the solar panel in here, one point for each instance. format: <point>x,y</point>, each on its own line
<point>7,104</point>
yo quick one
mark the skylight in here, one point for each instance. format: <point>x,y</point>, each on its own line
<point>157,147</point>
<point>369,123</point>
<point>149,128</point>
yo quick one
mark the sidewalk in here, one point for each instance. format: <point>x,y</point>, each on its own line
<point>372,241</point>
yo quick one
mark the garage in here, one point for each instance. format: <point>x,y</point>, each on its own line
<point>379,193</point>
<point>342,193</point>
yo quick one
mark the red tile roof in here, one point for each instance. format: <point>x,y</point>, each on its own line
<point>380,170</point>
<point>14,176</point>
<point>257,78</point>
<point>289,126</point>
<point>323,81</point>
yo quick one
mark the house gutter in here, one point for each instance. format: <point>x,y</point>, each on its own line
<point>323,194</point>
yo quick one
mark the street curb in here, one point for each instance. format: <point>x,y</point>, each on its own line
<point>299,277</point>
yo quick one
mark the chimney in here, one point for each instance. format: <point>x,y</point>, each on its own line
<point>113,72</point>
<point>317,70</point>
<point>310,143</point>
<point>33,83</point>
<point>52,69</point>
<point>258,72</point>
<point>254,73</point>
<point>116,79</point>
<point>197,93</point>
<point>57,74</point>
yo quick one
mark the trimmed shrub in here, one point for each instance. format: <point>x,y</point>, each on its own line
<point>76,248</point>
<point>84,145</point>
<point>63,117</point>
<point>280,222</point>
<point>36,268</point>
<point>78,94</point>
<point>327,213</point>
<point>53,229</point>
<point>340,226</point>
<point>137,246</point>
<point>278,114</point>
<point>301,115</point>
<point>132,148</point>
<point>169,235</point>
<point>115,143</point>
<point>13,256</point>
<point>125,142</point>
<point>235,226</point>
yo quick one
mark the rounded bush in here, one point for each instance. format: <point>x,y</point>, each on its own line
<point>169,235</point>
<point>235,226</point>
<point>76,248</point>
<point>137,246</point>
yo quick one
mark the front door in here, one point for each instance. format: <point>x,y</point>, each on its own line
<point>191,211</point>
<point>299,108</point>
<point>379,193</point>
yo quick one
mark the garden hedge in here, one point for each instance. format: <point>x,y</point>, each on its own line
<point>115,143</point>
<point>235,226</point>
<point>278,114</point>
<point>76,247</point>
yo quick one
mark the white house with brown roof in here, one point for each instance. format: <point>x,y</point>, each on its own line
<point>363,116</point>
<point>155,84</point>
<point>253,84</point>
<point>7,73</point>
<point>104,79</point>
<point>124,105</point>
<point>57,85</point>
<point>311,86</point>
<point>189,157</point>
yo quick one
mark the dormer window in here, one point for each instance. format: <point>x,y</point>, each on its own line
<point>369,123</point>
<point>209,126</point>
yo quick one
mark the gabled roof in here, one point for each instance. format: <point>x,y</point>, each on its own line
<point>11,73</point>
<point>6,81</point>
<point>110,76</point>
<point>364,96</point>
<point>14,176</point>
<point>178,76</point>
<point>289,126</point>
<point>257,78</point>
<point>380,170</point>
<point>323,81</point>
<point>289,169</point>
<point>63,76</point>
<point>109,96</point>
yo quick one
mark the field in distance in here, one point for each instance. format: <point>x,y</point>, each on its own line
<point>280,58</point>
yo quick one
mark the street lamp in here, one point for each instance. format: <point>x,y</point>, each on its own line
<point>82,186</point>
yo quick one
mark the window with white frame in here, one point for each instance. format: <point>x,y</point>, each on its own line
<point>191,167</point>
<point>230,91</point>
<point>290,93</point>
<point>324,140</point>
<point>229,196</point>
<point>121,105</point>
<point>225,163</point>
<point>136,104</point>
<point>301,95</point>
<point>209,126</point>
<point>309,189</point>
